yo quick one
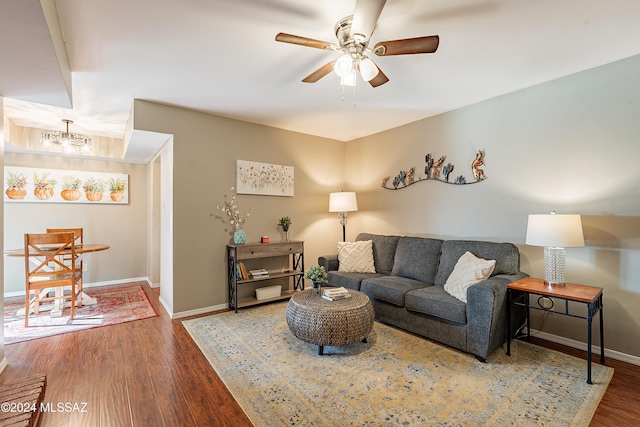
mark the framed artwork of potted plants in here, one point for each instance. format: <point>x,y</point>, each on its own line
<point>37,185</point>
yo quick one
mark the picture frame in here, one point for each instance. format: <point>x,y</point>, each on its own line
<point>39,185</point>
<point>264,179</point>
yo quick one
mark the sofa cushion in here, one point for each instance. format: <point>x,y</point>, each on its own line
<point>391,289</point>
<point>384,249</point>
<point>506,255</point>
<point>417,258</point>
<point>468,271</point>
<point>348,280</point>
<point>356,257</point>
<point>435,301</point>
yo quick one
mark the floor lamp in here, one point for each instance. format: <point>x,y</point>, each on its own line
<point>554,232</point>
<point>343,202</point>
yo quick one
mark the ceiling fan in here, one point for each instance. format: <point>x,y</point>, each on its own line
<point>353,34</point>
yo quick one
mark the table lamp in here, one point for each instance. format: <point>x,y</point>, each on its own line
<point>343,202</point>
<point>554,232</point>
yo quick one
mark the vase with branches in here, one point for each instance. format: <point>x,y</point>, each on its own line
<point>236,219</point>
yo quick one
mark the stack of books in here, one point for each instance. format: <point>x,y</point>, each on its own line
<point>333,294</point>
<point>259,273</point>
<point>242,271</point>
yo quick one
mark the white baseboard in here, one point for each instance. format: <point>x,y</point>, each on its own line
<point>203,310</point>
<point>90,285</point>
<point>595,349</point>
<point>3,364</point>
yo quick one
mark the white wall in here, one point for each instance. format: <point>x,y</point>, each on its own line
<point>570,145</point>
<point>123,227</point>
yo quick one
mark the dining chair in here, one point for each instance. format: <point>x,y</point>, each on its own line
<point>46,270</point>
<point>78,239</point>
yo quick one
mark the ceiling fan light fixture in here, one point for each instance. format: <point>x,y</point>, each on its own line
<point>343,65</point>
<point>368,69</point>
<point>349,79</point>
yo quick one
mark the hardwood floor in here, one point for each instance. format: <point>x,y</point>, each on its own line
<point>150,373</point>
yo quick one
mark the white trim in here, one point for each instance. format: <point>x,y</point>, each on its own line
<point>164,305</point>
<point>90,285</point>
<point>3,364</point>
<point>200,311</point>
<point>595,349</point>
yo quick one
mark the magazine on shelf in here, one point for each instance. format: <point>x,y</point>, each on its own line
<point>333,294</point>
<point>259,273</point>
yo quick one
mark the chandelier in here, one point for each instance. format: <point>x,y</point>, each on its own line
<point>65,141</point>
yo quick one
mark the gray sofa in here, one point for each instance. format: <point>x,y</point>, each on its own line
<point>407,289</point>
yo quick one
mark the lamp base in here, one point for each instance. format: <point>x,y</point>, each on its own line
<point>554,266</point>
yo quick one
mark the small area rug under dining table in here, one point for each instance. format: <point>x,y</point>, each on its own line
<point>394,379</point>
<point>115,305</point>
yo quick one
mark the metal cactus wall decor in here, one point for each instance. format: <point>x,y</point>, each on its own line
<point>436,170</point>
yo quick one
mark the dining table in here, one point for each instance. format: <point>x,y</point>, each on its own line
<point>56,308</point>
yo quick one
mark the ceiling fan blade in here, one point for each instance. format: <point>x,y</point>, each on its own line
<point>305,41</point>
<point>319,73</point>
<point>428,44</point>
<point>365,18</point>
<point>379,79</point>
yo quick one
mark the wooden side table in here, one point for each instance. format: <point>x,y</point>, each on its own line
<point>589,295</point>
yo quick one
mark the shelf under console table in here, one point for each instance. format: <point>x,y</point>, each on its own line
<point>240,253</point>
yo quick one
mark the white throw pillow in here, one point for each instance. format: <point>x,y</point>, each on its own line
<point>356,257</point>
<point>468,271</point>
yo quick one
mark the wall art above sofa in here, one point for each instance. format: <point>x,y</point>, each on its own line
<point>436,170</point>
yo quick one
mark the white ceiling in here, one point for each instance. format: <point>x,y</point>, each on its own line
<point>220,56</point>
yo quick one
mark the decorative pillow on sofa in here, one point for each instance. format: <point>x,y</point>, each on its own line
<point>356,257</point>
<point>468,271</point>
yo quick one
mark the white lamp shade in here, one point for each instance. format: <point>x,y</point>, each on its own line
<point>345,201</point>
<point>552,230</point>
<point>349,79</point>
<point>368,69</point>
<point>343,65</point>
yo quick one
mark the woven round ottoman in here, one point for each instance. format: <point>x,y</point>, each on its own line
<point>316,320</point>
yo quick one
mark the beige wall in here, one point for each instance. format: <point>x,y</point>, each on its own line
<point>123,227</point>
<point>205,150</point>
<point>570,145</point>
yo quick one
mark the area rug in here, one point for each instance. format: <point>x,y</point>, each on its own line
<point>115,305</point>
<point>394,379</point>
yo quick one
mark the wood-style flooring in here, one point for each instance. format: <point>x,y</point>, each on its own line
<point>150,373</point>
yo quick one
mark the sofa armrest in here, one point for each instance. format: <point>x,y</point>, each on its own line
<point>329,262</point>
<point>486,314</point>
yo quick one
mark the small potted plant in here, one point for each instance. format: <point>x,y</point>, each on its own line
<point>117,187</point>
<point>15,186</point>
<point>285,223</point>
<point>70,188</point>
<point>43,186</point>
<point>93,189</point>
<point>318,275</point>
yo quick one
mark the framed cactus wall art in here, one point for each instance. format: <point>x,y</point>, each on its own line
<point>37,185</point>
<point>264,179</point>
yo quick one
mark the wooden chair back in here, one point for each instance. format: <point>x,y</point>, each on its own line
<point>45,268</point>
<point>78,236</point>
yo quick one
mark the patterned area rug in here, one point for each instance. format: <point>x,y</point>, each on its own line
<point>394,379</point>
<point>115,305</point>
